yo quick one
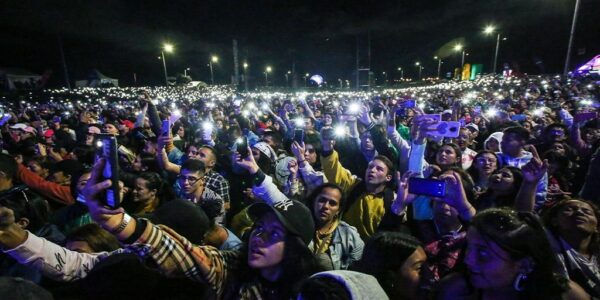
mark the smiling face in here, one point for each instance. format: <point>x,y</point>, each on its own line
<point>141,193</point>
<point>377,173</point>
<point>267,243</point>
<point>327,205</point>
<point>576,217</point>
<point>490,267</point>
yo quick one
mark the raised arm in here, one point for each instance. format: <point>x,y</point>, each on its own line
<point>533,172</point>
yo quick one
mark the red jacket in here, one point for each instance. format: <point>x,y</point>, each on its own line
<point>59,194</point>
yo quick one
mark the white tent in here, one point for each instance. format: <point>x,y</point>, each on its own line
<point>591,67</point>
<point>14,78</point>
<point>96,79</point>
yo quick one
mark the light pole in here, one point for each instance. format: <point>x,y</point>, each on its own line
<point>306,79</point>
<point>439,66</point>
<point>489,30</point>
<point>246,76</point>
<point>213,59</point>
<point>185,71</point>
<point>287,78</point>
<point>418,64</point>
<point>460,48</point>
<point>571,37</point>
<point>166,48</point>
<point>401,73</point>
<point>384,78</point>
<point>267,71</point>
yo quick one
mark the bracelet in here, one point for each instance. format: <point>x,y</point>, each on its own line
<point>124,222</point>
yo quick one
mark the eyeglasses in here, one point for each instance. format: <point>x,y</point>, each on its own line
<point>191,179</point>
<point>270,236</point>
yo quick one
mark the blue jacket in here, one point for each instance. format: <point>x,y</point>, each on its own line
<point>346,246</point>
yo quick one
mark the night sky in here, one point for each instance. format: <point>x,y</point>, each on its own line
<point>120,38</point>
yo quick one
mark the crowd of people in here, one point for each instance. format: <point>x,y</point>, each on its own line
<point>484,189</point>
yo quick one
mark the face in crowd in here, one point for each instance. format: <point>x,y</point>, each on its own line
<point>377,173</point>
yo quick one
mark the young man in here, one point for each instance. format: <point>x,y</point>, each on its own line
<point>192,180</point>
<point>369,199</point>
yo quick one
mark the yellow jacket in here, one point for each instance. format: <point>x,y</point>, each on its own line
<point>367,211</point>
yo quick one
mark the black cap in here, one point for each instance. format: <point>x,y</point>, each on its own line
<point>295,217</point>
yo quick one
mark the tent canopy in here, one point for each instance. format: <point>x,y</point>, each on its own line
<point>96,79</point>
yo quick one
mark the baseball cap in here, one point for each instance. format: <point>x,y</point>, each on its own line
<point>472,126</point>
<point>48,133</point>
<point>127,124</point>
<point>19,126</point>
<point>293,215</point>
<point>30,129</point>
<point>94,130</point>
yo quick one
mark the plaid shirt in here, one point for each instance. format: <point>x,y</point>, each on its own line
<point>176,256</point>
<point>218,184</point>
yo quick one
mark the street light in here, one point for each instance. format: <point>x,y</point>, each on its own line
<point>213,59</point>
<point>401,73</point>
<point>169,49</point>
<point>245,76</point>
<point>459,48</point>
<point>439,65</point>
<point>306,79</point>
<point>571,37</point>
<point>185,71</point>
<point>287,77</point>
<point>267,71</point>
<point>385,78</point>
<point>418,64</point>
<point>489,30</point>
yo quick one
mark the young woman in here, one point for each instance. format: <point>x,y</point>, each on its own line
<point>508,257</point>
<point>395,259</point>
<point>573,228</point>
<point>271,264</point>
<point>485,164</point>
<point>335,243</point>
<point>503,187</point>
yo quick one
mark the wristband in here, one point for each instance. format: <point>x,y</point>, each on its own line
<point>124,222</point>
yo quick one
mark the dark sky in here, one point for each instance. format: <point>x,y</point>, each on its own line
<point>124,37</point>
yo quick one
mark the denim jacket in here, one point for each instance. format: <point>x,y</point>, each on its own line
<point>346,246</point>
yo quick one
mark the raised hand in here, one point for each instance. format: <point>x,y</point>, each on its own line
<point>534,170</point>
<point>298,149</point>
<point>402,196</point>
<point>247,163</point>
<point>91,192</point>
<point>365,117</point>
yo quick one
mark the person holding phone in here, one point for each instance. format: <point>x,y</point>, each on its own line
<point>370,199</point>
<point>272,263</point>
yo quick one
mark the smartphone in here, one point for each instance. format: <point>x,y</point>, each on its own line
<point>410,103</point>
<point>327,134</point>
<point>166,126</point>
<point>242,146</point>
<point>449,129</point>
<point>427,187</point>
<point>299,136</point>
<point>585,116</point>
<point>108,150</point>
<point>519,118</point>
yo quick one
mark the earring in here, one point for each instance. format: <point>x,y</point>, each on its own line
<point>518,284</point>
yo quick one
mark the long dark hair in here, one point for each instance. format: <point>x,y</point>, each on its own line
<point>473,169</point>
<point>550,215</point>
<point>384,255</point>
<point>457,151</point>
<point>521,235</point>
<point>507,200</point>
<point>298,264</point>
